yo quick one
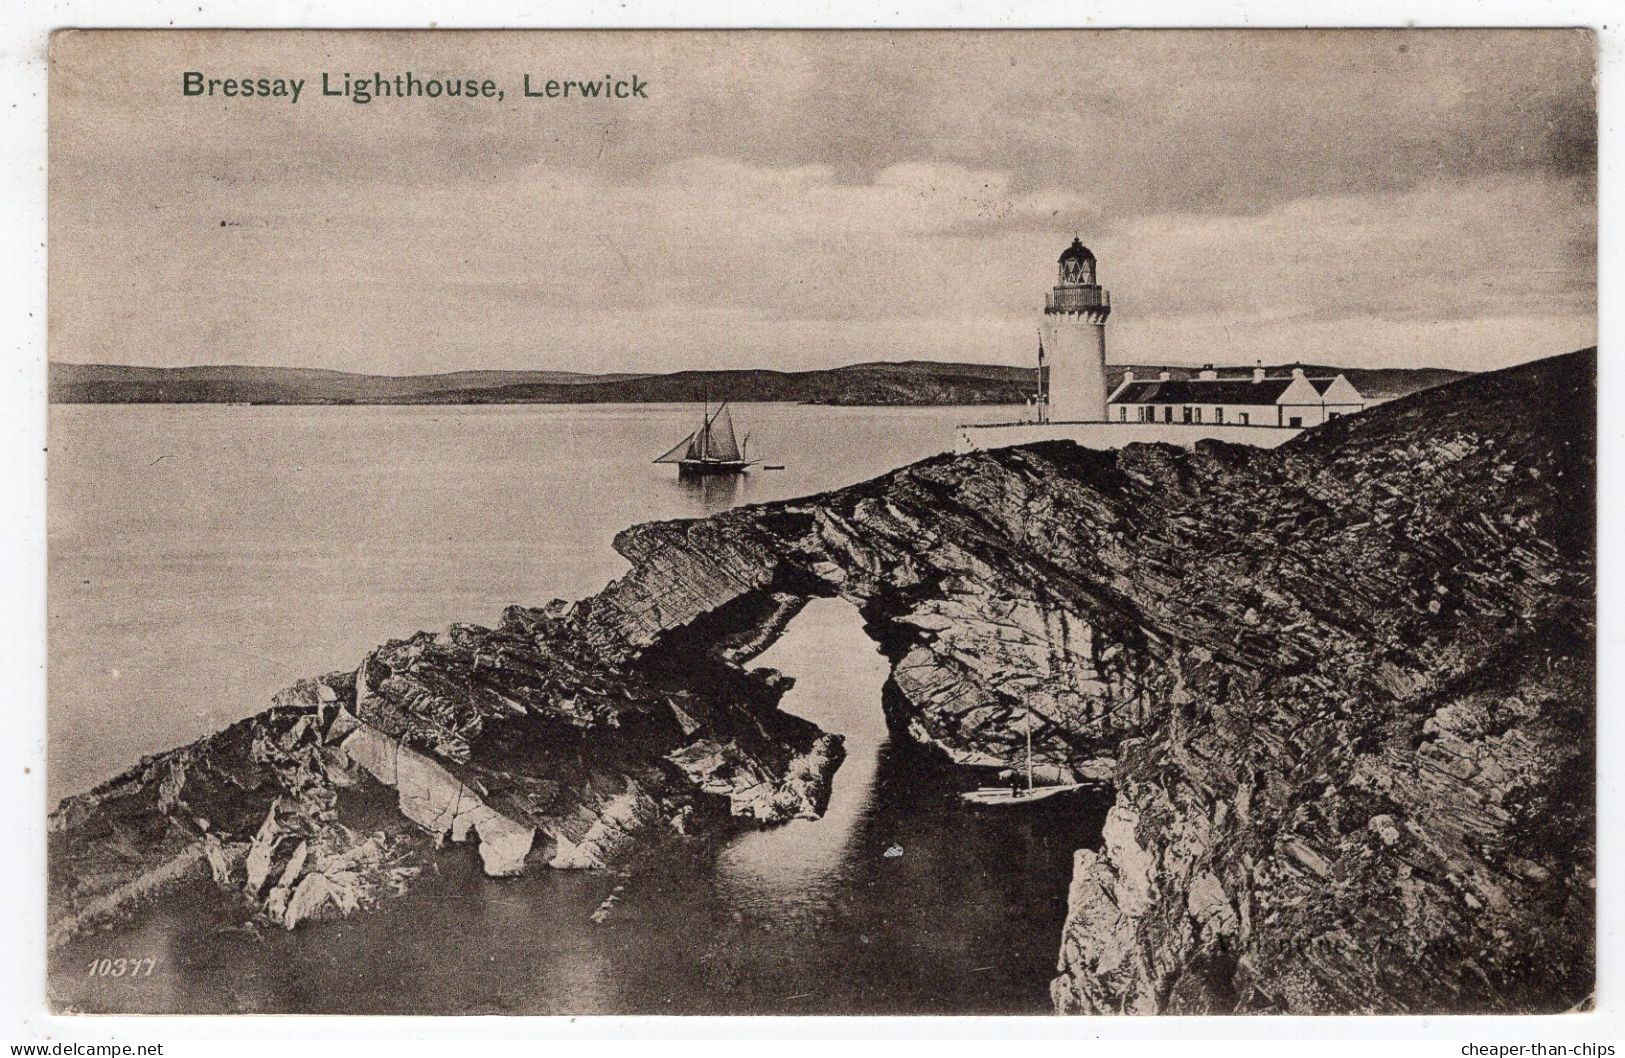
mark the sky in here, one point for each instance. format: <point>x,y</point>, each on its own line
<point>809,199</point>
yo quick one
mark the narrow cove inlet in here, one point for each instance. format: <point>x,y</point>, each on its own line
<point>808,916</point>
<point>703,740</point>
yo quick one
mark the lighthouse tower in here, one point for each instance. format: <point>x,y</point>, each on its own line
<point>1075,340</point>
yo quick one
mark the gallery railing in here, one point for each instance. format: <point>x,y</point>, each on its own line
<point>1077,299</point>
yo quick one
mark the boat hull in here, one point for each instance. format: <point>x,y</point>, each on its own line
<point>697,468</point>
<point>1000,796</point>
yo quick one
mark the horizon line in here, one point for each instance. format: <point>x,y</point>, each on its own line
<point>1217,365</point>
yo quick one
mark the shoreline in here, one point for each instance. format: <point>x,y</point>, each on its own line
<point>1236,637</point>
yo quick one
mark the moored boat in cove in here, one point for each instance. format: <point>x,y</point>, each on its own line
<point>712,449</point>
<point>1013,794</point>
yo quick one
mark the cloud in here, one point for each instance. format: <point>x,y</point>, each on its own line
<point>1519,241</point>
<point>801,200</point>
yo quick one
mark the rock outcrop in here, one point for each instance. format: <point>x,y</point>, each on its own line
<point>521,738</point>
<point>1343,690</point>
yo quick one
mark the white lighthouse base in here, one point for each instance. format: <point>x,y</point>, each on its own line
<point>1113,435</point>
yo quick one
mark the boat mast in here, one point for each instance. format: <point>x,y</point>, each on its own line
<point>1029,750</point>
<point>705,426</point>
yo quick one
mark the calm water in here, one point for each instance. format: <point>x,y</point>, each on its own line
<point>204,556</point>
<point>810,917</point>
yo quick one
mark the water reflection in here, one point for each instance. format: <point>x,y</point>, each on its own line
<point>806,918</point>
<point>809,917</point>
<point>713,492</point>
<point>798,868</point>
<point>185,541</point>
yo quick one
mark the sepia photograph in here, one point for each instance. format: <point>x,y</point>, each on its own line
<point>822,522</point>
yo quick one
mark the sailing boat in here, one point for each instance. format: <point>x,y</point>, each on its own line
<point>1012,795</point>
<point>712,449</point>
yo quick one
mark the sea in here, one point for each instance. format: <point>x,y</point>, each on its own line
<point>204,556</point>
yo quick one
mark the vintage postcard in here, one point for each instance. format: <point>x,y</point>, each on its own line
<point>701,522</point>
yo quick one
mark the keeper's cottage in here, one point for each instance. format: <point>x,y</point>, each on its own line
<point>1291,399</point>
<point>1258,406</point>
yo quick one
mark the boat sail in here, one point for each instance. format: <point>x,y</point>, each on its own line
<point>712,449</point>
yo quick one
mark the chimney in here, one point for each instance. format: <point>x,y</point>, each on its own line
<point>1207,374</point>
<point>1162,376</point>
<point>1128,376</point>
<point>1297,372</point>
<point>1258,374</point>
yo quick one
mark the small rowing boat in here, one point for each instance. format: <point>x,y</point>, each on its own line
<point>1003,795</point>
<point>1014,794</point>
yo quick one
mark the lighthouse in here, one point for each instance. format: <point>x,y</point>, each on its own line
<point>1075,340</point>
<point>1259,408</point>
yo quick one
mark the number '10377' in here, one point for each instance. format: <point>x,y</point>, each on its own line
<point>121,967</point>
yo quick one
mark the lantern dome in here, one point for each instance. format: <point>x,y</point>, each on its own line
<point>1077,264</point>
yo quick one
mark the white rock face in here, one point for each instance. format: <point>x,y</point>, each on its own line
<point>218,859</point>
<point>260,852</point>
<point>504,845</point>
<point>437,801</point>
<point>1103,969</point>
<point>615,829</point>
<point>1133,864</point>
<point>308,899</point>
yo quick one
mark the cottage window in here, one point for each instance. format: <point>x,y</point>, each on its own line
<point>1244,418</point>
<point>1187,413</point>
<point>1218,416</point>
<point>1122,413</point>
<point>1168,413</point>
<point>1295,420</point>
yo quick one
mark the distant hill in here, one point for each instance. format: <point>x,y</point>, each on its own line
<point>916,382</point>
<point>901,383</point>
<point>229,384</point>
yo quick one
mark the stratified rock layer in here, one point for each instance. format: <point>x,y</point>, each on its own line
<point>520,738</point>
<point>1344,690</point>
<point>1345,687</point>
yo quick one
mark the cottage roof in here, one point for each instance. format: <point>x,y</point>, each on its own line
<point>1210,390</point>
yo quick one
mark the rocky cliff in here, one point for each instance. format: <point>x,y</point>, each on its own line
<point>1343,690</point>
<point>520,738</point>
